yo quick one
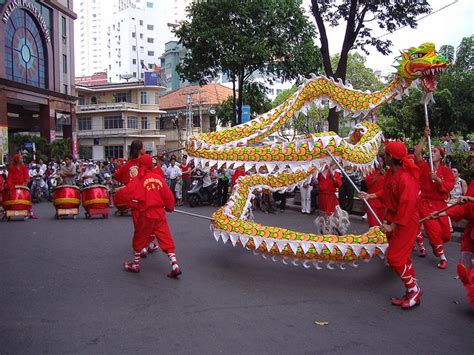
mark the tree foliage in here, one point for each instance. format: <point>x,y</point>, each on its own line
<point>45,150</point>
<point>241,37</point>
<point>356,15</point>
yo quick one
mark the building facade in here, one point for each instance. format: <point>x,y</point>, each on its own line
<point>37,70</point>
<point>111,116</point>
<point>190,110</point>
<point>172,56</point>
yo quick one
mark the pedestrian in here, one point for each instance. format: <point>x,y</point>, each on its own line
<point>459,189</point>
<point>153,199</point>
<point>435,188</point>
<point>223,180</point>
<point>305,192</point>
<point>173,173</point>
<point>399,196</point>
<point>186,170</point>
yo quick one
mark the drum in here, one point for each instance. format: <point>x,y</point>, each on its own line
<point>66,197</point>
<point>17,199</point>
<point>95,197</point>
<point>120,205</point>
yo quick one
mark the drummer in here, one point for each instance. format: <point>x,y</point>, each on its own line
<point>18,176</point>
<point>68,171</point>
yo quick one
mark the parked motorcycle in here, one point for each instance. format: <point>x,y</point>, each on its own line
<point>198,195</point>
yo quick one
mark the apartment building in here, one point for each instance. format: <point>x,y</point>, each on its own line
<point>111,116</point>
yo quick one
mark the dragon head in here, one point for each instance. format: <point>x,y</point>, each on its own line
<point>422,63</point>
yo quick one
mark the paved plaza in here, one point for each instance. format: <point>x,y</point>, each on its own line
<point>63,290</point>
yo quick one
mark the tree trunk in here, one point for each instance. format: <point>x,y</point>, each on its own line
<point>234,103</point>
<point>333,120</point>
<point>241,97</point>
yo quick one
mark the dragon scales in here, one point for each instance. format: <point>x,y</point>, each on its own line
<point>283,166</point>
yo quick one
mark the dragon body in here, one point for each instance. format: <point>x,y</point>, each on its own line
<point>283,166</point>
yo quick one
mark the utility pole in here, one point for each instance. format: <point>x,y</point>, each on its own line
<point>189,109</point>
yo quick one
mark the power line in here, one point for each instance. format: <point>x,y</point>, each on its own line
<point>421,18</point>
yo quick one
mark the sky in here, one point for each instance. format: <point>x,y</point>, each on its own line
<point>448,26</point>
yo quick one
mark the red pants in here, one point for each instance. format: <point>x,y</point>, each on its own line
<point>437,230</point>
<point>145,227</point>
<point>467,242</point>
<point>379,211</point>
<point>328,202</point>
<point>400,243</point>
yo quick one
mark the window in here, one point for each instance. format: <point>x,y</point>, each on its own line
<point>141,22</point>
<point>141,35</point>
<point>149,4</point>
<point>133,34</point>
<point>134,61</point>
<point>65,89</point>
<point>151,53</point>
<point>142,49</point>
<point>113,122</point>
<point>134,74</point>
<point>64,64</point>
<point>160,124</point>
<point>132,122</point>
<point>85,152</point>
<point>145,123</point>
<point>82,100</point>
<point>149,27</point>
<point>84,124</point>
<point>63,26</point>
<point>150,40</point>
<point>143,97</point>
<point>122,97</point>
<point>115,151</point>
<point>157,98</point>
<point>134,48</point>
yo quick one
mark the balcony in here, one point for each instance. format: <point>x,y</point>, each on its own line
<point>117,106</point>
<point>118,132</point>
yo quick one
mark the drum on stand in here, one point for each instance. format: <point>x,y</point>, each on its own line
<point>66,200</point>
<point>95,200</point>
<point>17,202</point>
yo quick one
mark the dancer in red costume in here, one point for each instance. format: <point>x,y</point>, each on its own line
<point>153,197</point>
<point>375,181</point>
<point>328,184</point>
<point>124,175</point>
<point>435,188</point>
<point>399,198</point>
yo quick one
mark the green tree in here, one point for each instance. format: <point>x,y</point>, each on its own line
<point>241,37</point>
<point>357,14</point>
<point>254,96</point>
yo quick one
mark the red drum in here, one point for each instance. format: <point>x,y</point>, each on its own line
<point>17,199</point>
<point>121,205</point>
<point>95,197</point>
<point>66,197</point>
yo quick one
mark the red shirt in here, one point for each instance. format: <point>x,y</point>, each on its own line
<point>17,176</point>
<point>327,185</point>
<point>127,171</point>
<point>399,196</point>
<point>432,190</point>
<point>375,182</point>
<point>152,195</point>
<point>185,176</point>
<point>158,171</point>
<point>237,173</point>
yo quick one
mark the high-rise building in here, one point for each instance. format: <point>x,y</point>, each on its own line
<point>90,31</point>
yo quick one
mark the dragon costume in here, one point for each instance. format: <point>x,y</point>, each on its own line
<point>283,166</point>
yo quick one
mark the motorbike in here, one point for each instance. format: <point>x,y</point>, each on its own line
<point>197,194</point>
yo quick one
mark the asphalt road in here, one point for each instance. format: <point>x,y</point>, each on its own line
<point>63,290</point>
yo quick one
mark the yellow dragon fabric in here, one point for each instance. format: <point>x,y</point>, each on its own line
<point>284,166</point>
